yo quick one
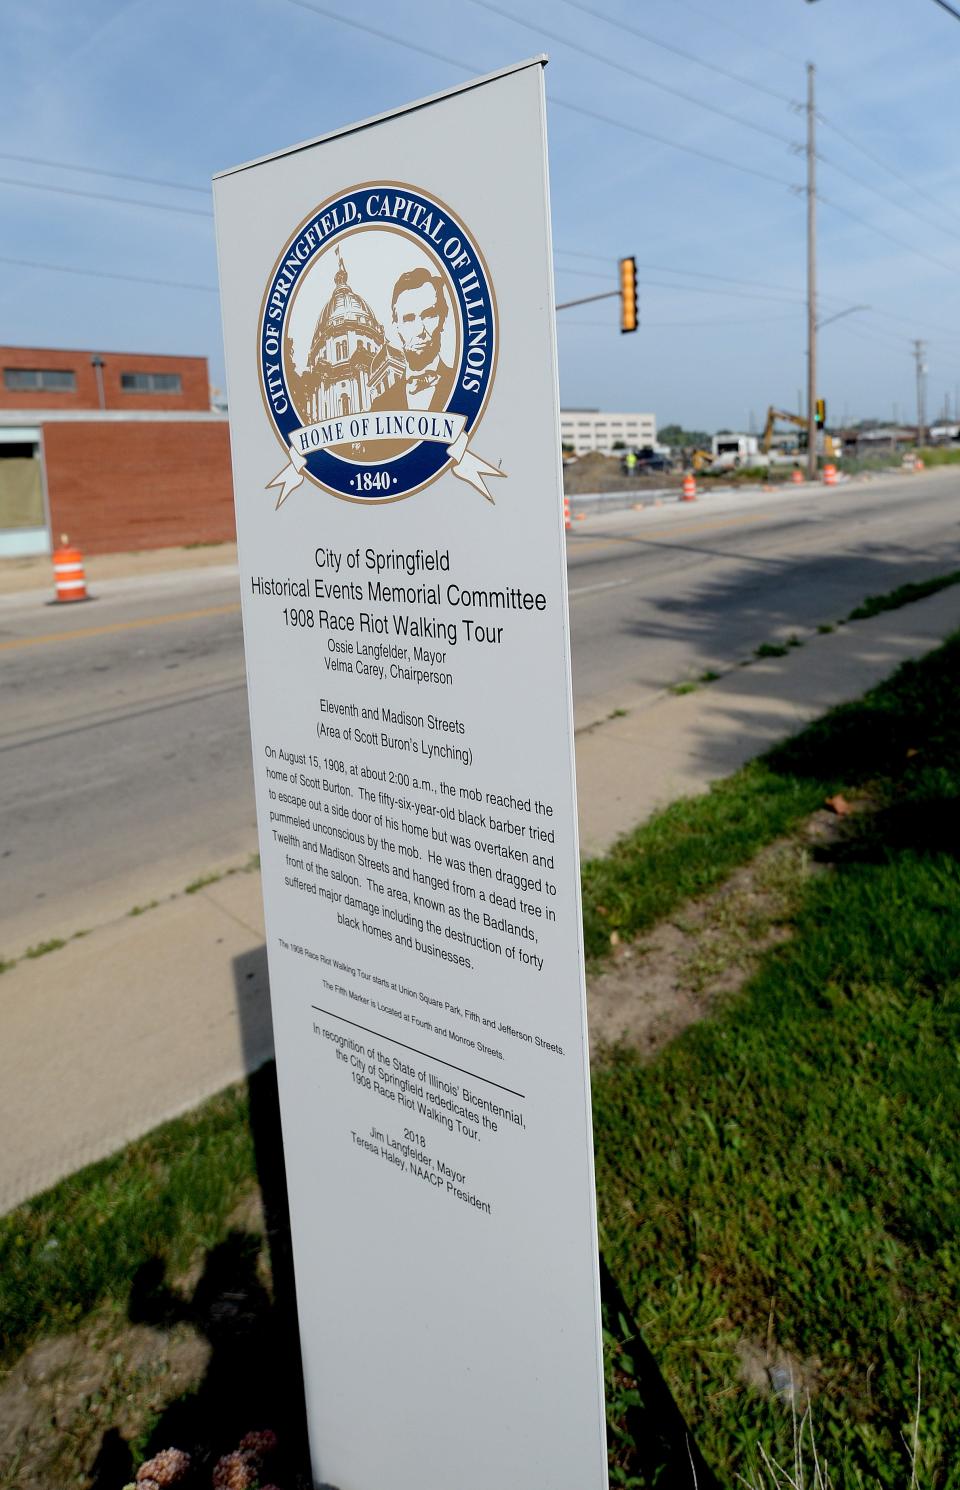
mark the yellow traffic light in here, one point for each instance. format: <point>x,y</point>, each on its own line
<point>820,413</point>
<point>628,295</point>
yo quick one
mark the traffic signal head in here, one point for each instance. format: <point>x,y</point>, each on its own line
<point>820,412</point>
<point>628,295</point>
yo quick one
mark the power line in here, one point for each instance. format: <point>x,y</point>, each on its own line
<point>397,41</point>
<point>611,325</point>
<point>885,196</point>
<point>901,243</point>
<point>644,134</point>
<point>678,51</point>
<point>648,134</point>
<point>97,196</point>
<point>709,290</point>
<point>878,161</point>
<point>61,165</point>
<point>583,273</point>
<point>737,30</point>
<point>136,279</point>
<point>695,273</point>
<point>948,8</point>
<point>631,72</point>
<point>934,333</point>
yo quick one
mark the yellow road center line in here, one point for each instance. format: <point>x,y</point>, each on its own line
<point>117,626</point>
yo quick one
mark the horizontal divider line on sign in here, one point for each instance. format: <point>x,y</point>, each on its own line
<point>474,1076</point>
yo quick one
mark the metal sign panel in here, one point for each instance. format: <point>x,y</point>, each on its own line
<point>388,311</point>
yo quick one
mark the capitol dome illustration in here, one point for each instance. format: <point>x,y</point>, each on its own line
<point>350,362</point>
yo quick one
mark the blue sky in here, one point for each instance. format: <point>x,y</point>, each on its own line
<point>178,90</point>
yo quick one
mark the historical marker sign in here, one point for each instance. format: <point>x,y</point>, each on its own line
<point>388,305</point>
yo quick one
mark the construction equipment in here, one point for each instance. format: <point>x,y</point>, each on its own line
<point>831,448</point>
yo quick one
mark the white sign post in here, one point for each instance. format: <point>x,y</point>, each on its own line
<point>389,323</point>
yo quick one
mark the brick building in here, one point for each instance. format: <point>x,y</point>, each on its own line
<point>118,450</point>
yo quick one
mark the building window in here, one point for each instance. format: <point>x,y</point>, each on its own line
<point>340,351</point>
<point>38,380</point>
<point>132,382</point>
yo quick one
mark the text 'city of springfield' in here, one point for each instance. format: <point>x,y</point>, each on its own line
<point>427,605</point>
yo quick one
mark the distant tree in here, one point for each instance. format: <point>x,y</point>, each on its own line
<point>619,445</point>
<point>675,434</point>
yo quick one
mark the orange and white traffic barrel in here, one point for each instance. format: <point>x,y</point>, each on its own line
<point>689,488</point>
<point>566,514</point>
<point>69,580</point>
<point>796,476</point>
<point>829,475</point>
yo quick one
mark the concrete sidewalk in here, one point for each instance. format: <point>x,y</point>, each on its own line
<point>145,1017</point>
<point>34,575</point>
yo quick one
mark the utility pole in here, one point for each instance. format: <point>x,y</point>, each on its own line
<point>811,279</point>
<point>918,352</point>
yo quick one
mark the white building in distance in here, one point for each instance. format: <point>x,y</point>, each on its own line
<point>589,429</point>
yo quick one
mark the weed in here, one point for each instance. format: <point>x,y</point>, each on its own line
<point>139,910</point>
<point>770,649</point>
<point>201,883</point>
<point>794,641</point>
<point>709,676</point>
<point>875,605</point>
<point>42,948</point>
<point>681,688</point>
<point>825,629</point>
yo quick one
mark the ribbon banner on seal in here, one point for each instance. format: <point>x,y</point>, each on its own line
<point>403,424</point>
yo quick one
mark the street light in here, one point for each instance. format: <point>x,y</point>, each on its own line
<point>840,314</point>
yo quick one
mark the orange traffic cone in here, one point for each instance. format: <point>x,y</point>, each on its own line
<point>689,488</point>
<point>68,576</point>
<point>796,476</point>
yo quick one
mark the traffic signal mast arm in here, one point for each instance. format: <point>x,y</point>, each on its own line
<point>627,295</point>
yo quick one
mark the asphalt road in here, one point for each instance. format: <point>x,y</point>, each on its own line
<point>124,747</point>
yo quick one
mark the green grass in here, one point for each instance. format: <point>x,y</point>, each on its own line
<point>770,649</point>
<point>875,605</point>
<point>694,844</point>
<point>168,1195</point>
<point>789,1172</point>
<point>683,688</point>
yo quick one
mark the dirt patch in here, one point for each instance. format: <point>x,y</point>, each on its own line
<point>776,1373</point>
<point>65,1394</point>
<point>665,981</point>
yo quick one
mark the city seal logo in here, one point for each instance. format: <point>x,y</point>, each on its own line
<point>378,347</point>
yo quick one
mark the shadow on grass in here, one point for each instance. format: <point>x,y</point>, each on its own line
<point>662,1450</point>
<point>253,1378</point>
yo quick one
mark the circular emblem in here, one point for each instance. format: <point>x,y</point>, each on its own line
<point>378,346</point>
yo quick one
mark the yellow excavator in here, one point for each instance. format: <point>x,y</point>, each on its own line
<point>830,449</point>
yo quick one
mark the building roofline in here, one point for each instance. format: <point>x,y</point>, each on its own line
<point>105,352</point>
